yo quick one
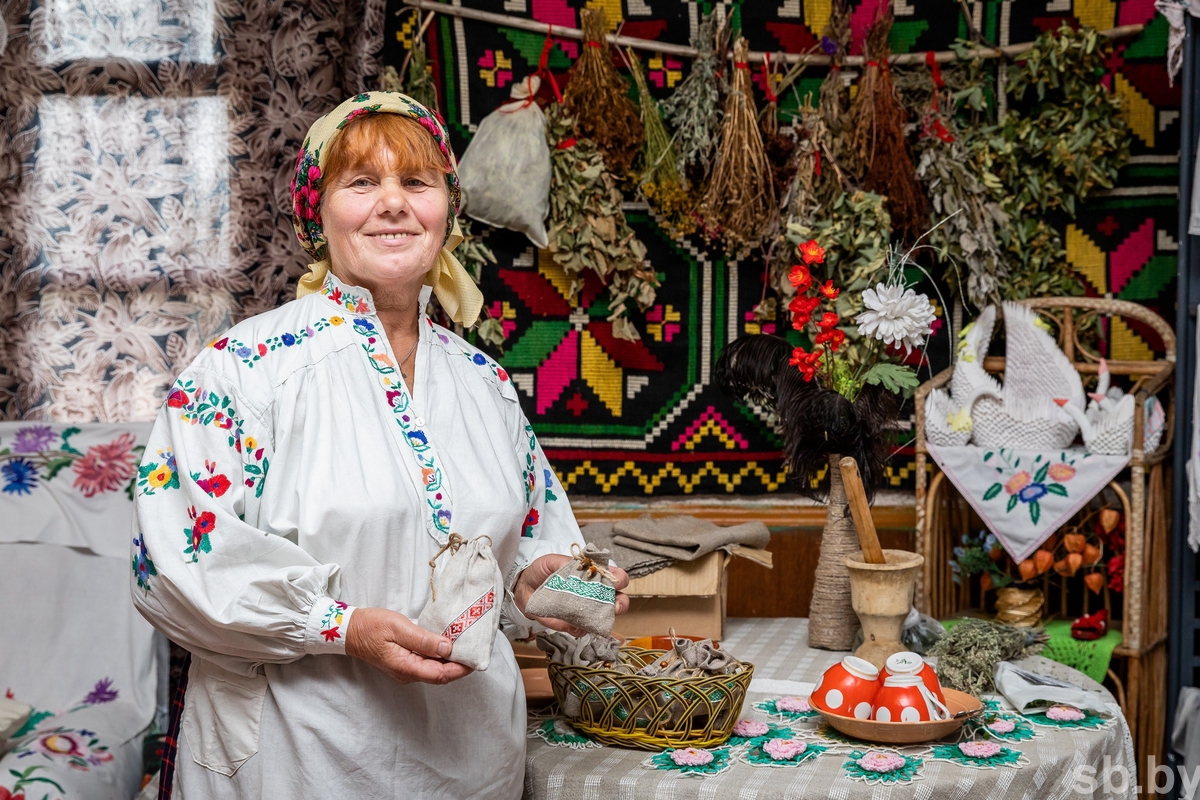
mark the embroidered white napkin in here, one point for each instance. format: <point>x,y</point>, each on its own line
<point>1024,496</point>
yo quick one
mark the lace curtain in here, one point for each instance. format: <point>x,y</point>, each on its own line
<point>146,148</point>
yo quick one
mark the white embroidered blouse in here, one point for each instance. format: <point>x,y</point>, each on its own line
<point>290,477</point>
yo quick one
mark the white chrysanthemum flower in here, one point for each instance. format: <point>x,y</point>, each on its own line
<point>896,315</point>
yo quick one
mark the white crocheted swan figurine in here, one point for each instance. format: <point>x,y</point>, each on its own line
<point>1024,414</point>
<point>948,415</point>
<point>1107,424</point>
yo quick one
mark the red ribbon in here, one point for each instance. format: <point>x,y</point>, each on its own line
<point>741,65</point>
<point>938,83</point>
<point>565,144</point>
<point>817,163</point>
<point>543,65</point>
<point>590,43</point>
<point>771,98</point>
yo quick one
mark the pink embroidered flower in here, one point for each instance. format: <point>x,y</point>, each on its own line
<point>1062,472</point>
<point>784,749</point>
<point>1061,713</point>
<point>749,728</point>
<point>314,172</point>
<point>1003,726</point>
<point>691,757</point>
<point>979,749</point>
<point>875,761</point>
<point>1018,482</point>
<point>794,705</point>
<point>105,467</point>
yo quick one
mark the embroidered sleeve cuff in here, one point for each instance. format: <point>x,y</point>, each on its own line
<point>327,623</point>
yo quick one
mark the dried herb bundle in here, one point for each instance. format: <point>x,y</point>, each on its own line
<point>694,110</point>
<point>588,228</point>
<point>740,200</point>
<point>596,99</point>
<point>418,78</point>
<point>878,144</point>
<point>659,177</point>
<point>968,654</point>
<point>835,41</point>
<point>780,146</point>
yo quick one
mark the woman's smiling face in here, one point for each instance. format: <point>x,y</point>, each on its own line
<point>385,227</point>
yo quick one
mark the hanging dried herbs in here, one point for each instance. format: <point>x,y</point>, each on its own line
<point>834,99</point>
<point>659,177</point>
<point>418,77</point>
<point>596,98</point>
<point>878,147</point>
<point>780,145</point>
<point>1045,157</point>
<point>694,110</point>
<point>740,200</point>
<point>588,228</point>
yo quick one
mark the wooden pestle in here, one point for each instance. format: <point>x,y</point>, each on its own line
<point>868,539</point>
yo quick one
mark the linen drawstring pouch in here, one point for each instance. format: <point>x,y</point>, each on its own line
<point>581,593</point>
<point>465,591</point>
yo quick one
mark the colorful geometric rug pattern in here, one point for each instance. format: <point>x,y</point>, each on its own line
<point>644,418</point>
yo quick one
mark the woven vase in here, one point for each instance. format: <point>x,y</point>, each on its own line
<point>831,618</point>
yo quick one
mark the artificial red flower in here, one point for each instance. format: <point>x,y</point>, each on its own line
<point>811,252</point>
<point>806,362</point>
<point>800,277</point>
<point>828,320</point>
<point>833,338</point>
<point>829,290</point>
<point>802,308</point>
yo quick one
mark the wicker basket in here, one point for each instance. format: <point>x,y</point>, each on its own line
<point>649,713</point>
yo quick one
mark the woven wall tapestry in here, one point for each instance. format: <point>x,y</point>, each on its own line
<point>643,418</point>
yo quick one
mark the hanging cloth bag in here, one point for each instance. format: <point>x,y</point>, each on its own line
<point>505,173</point>
<point>464,604</point>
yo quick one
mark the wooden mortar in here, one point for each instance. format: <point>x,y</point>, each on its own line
<point>882,595</point>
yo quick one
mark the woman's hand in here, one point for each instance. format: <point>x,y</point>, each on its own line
<point>536,574</point>
<point>392,643</point>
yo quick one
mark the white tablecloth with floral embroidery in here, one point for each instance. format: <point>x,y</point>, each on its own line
<point>1045,762</point>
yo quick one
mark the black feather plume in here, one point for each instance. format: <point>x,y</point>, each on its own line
<point>816,421</point>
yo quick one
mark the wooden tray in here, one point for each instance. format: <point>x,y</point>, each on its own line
<point>962,707</point>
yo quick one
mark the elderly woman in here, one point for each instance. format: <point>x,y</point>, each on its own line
<point>306,468</point>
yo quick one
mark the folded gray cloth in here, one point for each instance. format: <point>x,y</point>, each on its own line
<point>635,562</point>
<point>685,538</point>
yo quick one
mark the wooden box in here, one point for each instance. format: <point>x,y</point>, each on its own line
<point>688,596</point>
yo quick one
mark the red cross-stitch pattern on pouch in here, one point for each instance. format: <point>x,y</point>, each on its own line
<point>469,617</point>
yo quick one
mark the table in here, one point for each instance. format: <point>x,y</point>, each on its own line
<point>785,665</point>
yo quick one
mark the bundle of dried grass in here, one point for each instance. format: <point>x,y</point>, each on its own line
<point>587,227</point>
<point>779,145</point>
<point>835,41</point>
<point>740,201</point>
<point>694,110</point>
<point>877,145</point>
<point>596,99</point>
<point>659,177</point>
<point>968,654</point>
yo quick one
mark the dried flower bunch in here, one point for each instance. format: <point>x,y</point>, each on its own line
<point>659,177</point>
<point>694,110</point>
<point>587,227</point>
<point>740,201</point>
<point>878,144</point>
<point>596,98</point>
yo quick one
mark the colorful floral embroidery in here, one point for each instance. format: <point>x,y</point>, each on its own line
<point>20,476</point>
<point>691,761</point>
<point>753,732</point>
<point>787,707</point>
<point>774,752</point>
<point>214,485</point>
<point>143,567</point>
<point>359,112</point>
<point>255,471</point>
<point>26,778</point>
<point>105,467</point>
<point>251,353</point>
<point>985,755</point>
<point>34,439</point>
<point>306,198</point>
<point>1062,716</point>
<point>531,521</point>
<point>473,614</point>
<point>78,747</point>
<point>203,523</point>
<point>155,475</point>
<point>436,497</point>
<point>1004,727</point>
<point>875,766</point>
<point>199,406</point>
<point>1030,485</point>
<point>332,621</point>
<point>351,302</point>
<point>549,478</point>
<point>102,692</point>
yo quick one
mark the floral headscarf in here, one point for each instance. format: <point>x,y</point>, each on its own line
<point>455,290</point>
